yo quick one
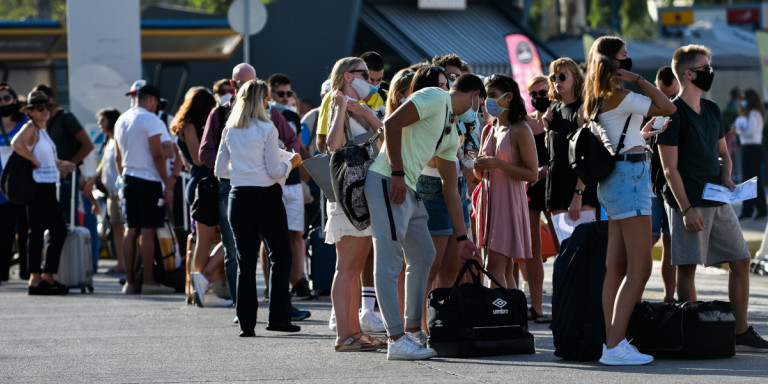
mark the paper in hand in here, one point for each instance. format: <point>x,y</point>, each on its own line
<point>744,191</point>
<point>564,226</point>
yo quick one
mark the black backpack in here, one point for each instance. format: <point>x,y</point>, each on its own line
<point>658,180</point>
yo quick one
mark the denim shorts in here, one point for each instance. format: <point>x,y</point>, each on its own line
<point>659,220</point>
<point>627,191</point>
<point>430,191</point>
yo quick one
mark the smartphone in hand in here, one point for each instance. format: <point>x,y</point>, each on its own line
<point>659,123</point>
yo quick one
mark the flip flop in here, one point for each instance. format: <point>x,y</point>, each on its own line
<point>538,318</point>
<point>352,344</point>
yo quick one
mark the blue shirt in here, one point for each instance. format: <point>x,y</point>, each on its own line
<point>10,135</point>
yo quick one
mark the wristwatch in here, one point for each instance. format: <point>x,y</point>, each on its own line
<point>579,192</point>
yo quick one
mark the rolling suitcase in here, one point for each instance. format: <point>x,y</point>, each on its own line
<point>76,263</point>
<point>322,258</point>
<point>578,325</point>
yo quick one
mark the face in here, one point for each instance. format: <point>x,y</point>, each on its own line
<point>670,91</point>
<point>452,72</point>
<point>539,90</point>
<point>225,89</point>
<point>701,63</point>
<point>360,71</point>
<point>40,112</point>
<point>563,81</point>
<point>292,102</point>
<point>102,122</point>
<point>6,98</point>
<point>442,82</point>
<point>495,93</point>
<point>376,77</point>
<point>282,94</point>
<point>621,55</point>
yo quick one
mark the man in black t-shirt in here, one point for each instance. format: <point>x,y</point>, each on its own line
<point>703,231</point>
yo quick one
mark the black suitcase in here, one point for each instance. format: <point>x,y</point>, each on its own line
<point>689,330</point>
<point>578,326</point>
<point>473,320</point>
<point>322,257</point>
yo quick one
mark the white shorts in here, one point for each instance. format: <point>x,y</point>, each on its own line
<point>293,199</point>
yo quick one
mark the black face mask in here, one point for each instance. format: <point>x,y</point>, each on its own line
<point>626,64</point>
<point>703,80</point>
<point>9,110</point>
<point>541,103</point>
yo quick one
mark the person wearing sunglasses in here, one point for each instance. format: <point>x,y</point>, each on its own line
<point>704,231</point>
<point>43,211</point>
<point>223,91</point>
<point>13,217</point>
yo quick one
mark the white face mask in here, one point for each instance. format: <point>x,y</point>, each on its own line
<point>224,99</point>
<point>361,87</point>
<point>291,108</point>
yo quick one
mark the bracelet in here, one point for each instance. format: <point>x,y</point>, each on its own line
<point>461,238</point>
<point>398,173</point>
<point>638,79</point>
<point>686,210</point>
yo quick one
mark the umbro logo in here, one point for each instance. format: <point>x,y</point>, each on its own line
<point>499,303</point>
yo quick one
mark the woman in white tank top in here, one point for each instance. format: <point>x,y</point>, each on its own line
<point>43,211</point>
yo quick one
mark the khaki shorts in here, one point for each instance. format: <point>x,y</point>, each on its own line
<point>721,241</point>
<point>113,210</point>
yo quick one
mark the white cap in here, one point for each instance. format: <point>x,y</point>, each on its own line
<point>135,87</point>
<point>326,87</point>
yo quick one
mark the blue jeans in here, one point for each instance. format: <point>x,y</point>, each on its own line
<point>627,192</point>
<point>227,240</point>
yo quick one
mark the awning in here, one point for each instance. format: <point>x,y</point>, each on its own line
<point>161,40</point>
<point>476,34</point>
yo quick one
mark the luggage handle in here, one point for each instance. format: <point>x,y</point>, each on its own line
<point>72,203</point>
<point>475,276</point>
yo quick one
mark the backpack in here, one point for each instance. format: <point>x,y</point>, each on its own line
<point>658,180</point>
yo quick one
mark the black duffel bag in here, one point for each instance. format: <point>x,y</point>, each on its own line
<point>16,181</point>
<point>689,330</point>
<point>473,320</point>
<point>205,208</point>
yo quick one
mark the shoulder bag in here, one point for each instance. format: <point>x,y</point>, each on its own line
<point>16,181</point>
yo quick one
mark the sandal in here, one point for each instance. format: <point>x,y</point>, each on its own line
<point>539,318</point>
<point>353,344</point>
<point>378,343</point>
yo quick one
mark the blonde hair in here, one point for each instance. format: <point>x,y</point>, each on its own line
<point>400,82</point>
<point>249,104</point>
<point>685,56</point>
<point>341,67</point>
<point>578,77</point>
<point>536,80</point>
<point>601,83</point>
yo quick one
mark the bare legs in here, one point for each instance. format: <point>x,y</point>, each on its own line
<point>345,292</point>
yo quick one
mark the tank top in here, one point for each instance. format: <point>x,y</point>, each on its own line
<point>45,153</point>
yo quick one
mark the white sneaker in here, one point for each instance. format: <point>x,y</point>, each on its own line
<point>371,322</point>
<point>405,349</point>
<point>624,354</point>
<point>419,337</point>
<point>332,322</point>
<point>211,300</point>
<point>199,286</point>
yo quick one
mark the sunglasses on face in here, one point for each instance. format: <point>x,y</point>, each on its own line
<point>558,77</point>
<point>6,98</point>
<point>705,68</point>
<point>223,92</point>
<point>284,93</point>
<point>366,74</point>
<point>42,107</point>
<point>453,76</point>
<point>541,93</point>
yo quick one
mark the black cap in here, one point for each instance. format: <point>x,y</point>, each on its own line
<point>149,90</point>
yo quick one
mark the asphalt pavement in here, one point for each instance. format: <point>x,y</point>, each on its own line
<point>110,337</point>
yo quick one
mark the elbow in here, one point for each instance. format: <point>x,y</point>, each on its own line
<point>669,110</point>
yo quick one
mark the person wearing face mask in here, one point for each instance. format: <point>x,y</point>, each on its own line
<point>508,161</point>
<point>13,218</point>
<point>565,192</point>
<point>753,155</point>
<point>223,91</point>
<point>418,131</point>
<point>704,231</point>
<point>377,100</point>
<point>626,192</point>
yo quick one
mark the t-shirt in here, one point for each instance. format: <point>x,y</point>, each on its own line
<point>63,128</point>
<point>375,103</point>
<point>132,132</point>
<point>698,155</point>
<point>420,138</point>
<point>609,125</point>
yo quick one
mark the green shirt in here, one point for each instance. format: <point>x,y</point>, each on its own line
<point>698,155</point>
<point>420,138</point>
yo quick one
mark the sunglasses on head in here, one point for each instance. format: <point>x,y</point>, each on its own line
<point>284,93</point>
<point>42,107</point>
<point>223,92</point>
<point>541,93</point>
<point>7,98</point>
<point>366,74</point>
<point>558,77</point>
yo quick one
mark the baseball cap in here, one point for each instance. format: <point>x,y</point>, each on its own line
<point>326,87</point>
<point>135,87</point>
<point>150,90</point>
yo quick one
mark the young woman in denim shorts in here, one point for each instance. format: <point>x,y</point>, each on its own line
<point>626,192</point>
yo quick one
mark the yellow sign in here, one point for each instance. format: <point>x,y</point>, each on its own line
<point>674,18</point>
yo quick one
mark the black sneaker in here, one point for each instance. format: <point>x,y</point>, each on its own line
<point>301,291</point>
<point>287,327</point>
<point>750,341</point>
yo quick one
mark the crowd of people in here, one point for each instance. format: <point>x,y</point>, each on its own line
<point>461,161</point>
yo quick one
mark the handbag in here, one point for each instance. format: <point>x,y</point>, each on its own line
<point>683,330</point>
<point>587,155</point>
<point>474,320</point>
<point>16,181</point>
<point>205,208</point>
<point>319,169</point>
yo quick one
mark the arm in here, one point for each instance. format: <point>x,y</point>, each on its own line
<point>366,113</point>
<point>726,166</point>
<point>447,170</point>
<point>86,146</point>
<point>661,105</point>
<point>286,133</point>
<point>335,137</point>
<point>223,157</point>
<point>669,158</point>
<point>156,147</point>
<point>528,171</point>
<point>20,141</point>
<point>404,116</point>
<point>118,160</point>
<point>276,168</point>
<point>209,144</point>
<point>193,143</point>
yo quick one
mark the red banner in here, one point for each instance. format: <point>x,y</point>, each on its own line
<point>525,63</point>
<point>744,16</point>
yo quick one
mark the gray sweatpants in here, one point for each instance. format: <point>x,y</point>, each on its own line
<point>398,231</point>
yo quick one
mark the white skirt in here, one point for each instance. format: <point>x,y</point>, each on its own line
<point>339,226</point>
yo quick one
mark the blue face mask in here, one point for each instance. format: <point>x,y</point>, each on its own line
<point>492,106</point>
<point>376,88</point>
<point>268,109</point>
<point>277,105</point>
<point>470,115</point>
<point>743,103</point>
<point>450,84</point>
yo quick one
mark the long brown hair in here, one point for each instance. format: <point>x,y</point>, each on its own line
<point>754,102</point>
<point>600,82</point>
<point>578,77</point>
<point>194,111</point>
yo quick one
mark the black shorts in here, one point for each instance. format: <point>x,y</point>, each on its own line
<point>142,208</point>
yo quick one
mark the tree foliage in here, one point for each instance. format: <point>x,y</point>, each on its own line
<point>636,22</point>
<point>600,14</point>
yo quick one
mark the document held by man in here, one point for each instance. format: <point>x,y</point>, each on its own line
<point>744,191</point>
